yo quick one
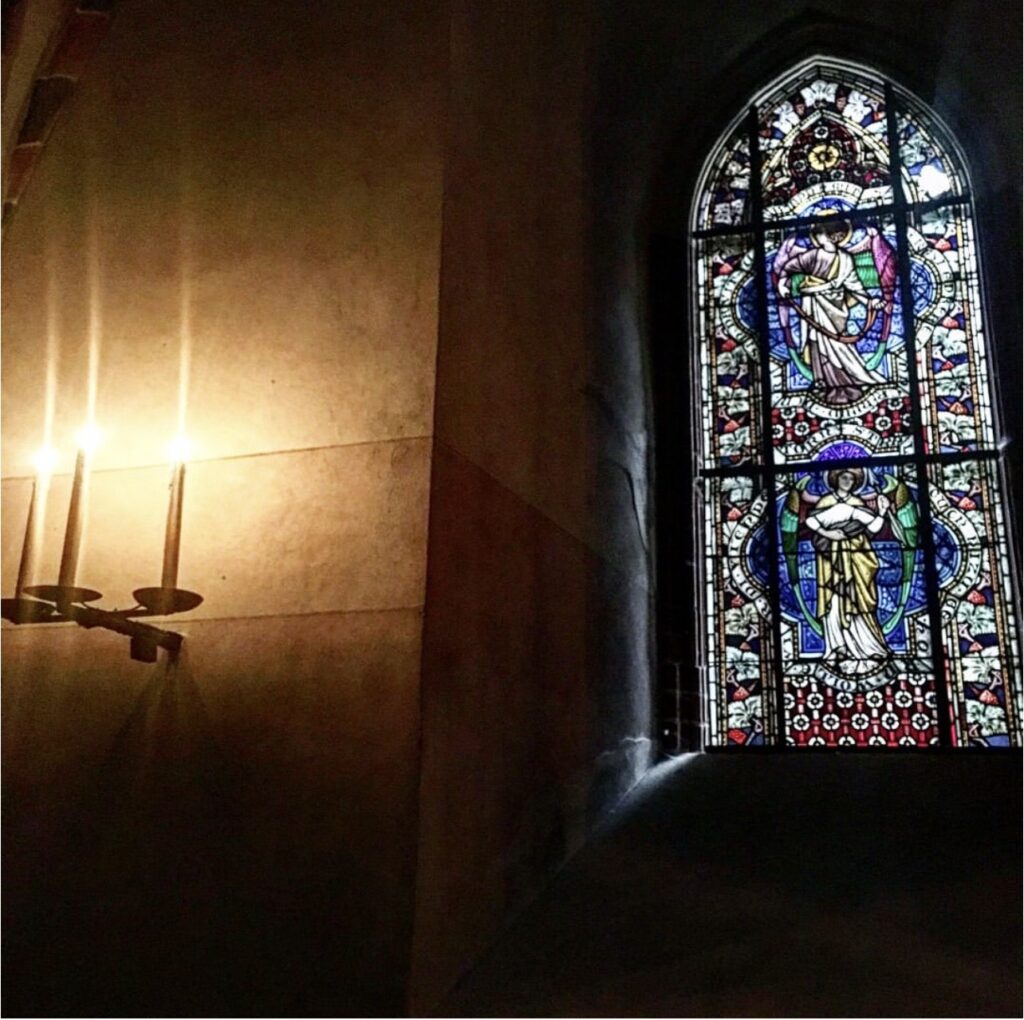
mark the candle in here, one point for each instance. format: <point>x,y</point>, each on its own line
<point>44,462</point>
<point>88,440</point>
<point>172,536</point>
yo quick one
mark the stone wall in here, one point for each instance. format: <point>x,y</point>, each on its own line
<point>261,184</point>
<point>536,709</point>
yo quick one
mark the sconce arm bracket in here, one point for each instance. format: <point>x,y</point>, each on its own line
<point>145,639</point>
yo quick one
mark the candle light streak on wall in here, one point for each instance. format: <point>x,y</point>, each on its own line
<point>94,282</point>
<point>52,325</point>
<point>185,263</point>
<point>185,339</point>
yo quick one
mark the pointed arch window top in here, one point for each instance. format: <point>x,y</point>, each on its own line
<point>856,572</point>
<point>824,147</point>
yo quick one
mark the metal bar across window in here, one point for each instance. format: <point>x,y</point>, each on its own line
<point>868,460</point>
<point>848,216</point>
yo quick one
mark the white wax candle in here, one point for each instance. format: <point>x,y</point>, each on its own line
<point>87,441</point>
<point>28,547</point>
<point>178,451</point>
<point>73,531</point>
<point>172,535</point>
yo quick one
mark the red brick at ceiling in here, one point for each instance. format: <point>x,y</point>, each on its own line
<point>76,41</point>
<point>48,95</point>
<point>12,20</point>
<point>83,32</point>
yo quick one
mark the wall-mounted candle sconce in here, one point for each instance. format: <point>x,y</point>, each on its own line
<point>65,601</point>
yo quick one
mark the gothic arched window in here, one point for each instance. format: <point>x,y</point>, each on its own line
<point>856,584</point>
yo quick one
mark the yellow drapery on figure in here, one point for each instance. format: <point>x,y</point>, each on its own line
<point>847,589</point>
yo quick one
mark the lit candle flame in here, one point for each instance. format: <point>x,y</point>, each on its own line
<point>45,461</point>
<point>88,438</point>
<point>179,449</point>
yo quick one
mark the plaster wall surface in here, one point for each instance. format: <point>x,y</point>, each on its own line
<point>536,657</point>
<point>236,223</point>
<point>229,836</point>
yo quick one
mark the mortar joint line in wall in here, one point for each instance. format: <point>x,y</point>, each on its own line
<point>234,456</point>
<point>582,543</point>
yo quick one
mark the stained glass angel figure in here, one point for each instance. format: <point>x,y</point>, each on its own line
<point>821,284</point>
<point>842,524</point>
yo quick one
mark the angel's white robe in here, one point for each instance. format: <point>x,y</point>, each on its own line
<point>830,289</point>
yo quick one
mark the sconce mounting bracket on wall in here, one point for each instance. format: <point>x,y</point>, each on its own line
<point>51,603</point>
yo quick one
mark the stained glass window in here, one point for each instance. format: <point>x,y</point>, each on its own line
<point>856,582</point>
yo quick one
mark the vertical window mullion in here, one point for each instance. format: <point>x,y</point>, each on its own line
<point>938,659</point>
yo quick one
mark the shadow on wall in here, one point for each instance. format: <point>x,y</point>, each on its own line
<point>158,886</point>
<point>118,896</point>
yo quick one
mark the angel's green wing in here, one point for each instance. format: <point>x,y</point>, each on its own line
<point>789,523</point>
<point>905,525</point>
<point>864,264</point>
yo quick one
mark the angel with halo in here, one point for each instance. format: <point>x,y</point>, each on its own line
<point>842,524</point>
<point>821,284</point>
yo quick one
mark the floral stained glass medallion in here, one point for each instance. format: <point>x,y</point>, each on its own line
<point>857,586</point>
